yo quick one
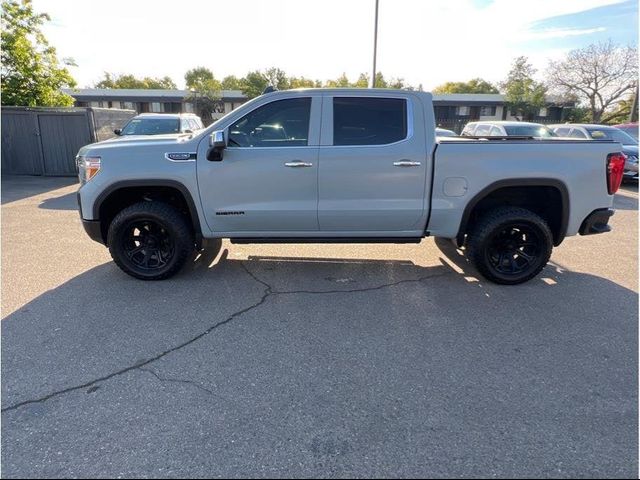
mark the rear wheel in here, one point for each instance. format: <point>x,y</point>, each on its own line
<point>150,240</point>
<point>510,245</point>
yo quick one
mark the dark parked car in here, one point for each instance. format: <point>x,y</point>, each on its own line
<point>629,128</point>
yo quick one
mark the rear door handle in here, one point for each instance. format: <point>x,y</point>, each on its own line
<point>298,164</point>
<point>406,163</point>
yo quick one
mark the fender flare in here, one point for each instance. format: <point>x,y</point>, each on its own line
<point>520,182</point>
<point>193,211</point>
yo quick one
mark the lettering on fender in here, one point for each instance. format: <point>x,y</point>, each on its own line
<point>229,213</point>
<point>180,156</point>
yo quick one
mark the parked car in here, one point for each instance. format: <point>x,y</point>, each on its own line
<point>604,132</point>
<point>353,166</point>
<point>161,124</point>
<point>443,132</point>
<point>630,129</point>
<point>506,129</point>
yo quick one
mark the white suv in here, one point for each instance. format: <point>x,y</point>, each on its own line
<point>161,124</point>
<point>506,129</point>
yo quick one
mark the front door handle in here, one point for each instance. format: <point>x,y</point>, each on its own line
<point>298,164</point>
<point>406,163</point>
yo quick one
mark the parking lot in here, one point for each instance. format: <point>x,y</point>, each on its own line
<point>312,361</point>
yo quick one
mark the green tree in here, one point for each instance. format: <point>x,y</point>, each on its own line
<point>206,93</point>
<point>362,82</point>
<point>31,74</point>
<point>302,82</point>
<point>231,82</point>
<point>475,85</point>
<point>129,81</point>
<point>341,82</point>
<point>398,83</point>
<point>620,113</point>
<point>380,82</point>
<point>577,115</point>
<point>523,95</point>
<point>200,78</point>
<point>254,84</point>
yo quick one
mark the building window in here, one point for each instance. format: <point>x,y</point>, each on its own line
<point>463,111</point>
<point>156,107</point>
<point>487,111</point>
<point>542,112</point>
<point>188,107</point>
<point>128,106</point>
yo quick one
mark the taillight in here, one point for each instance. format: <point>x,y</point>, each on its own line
<point>615,170</point>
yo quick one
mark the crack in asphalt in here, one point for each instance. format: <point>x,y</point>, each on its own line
<point>268,292</point>
<point>178,380</point>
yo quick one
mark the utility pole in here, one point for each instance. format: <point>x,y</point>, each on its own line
<point>375,48</point>
<point>633,115</point>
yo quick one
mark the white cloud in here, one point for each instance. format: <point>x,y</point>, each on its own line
<point>562,32</point>
<point>426,42</point>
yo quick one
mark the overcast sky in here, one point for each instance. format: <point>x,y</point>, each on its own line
<point>425,42</point>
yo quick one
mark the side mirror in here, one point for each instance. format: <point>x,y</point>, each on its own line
<point>217,144</point>
<point>117,131</point>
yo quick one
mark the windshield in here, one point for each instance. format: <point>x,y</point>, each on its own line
<point>612,134</point>
<point>151,126</point>
<point>529,131</point>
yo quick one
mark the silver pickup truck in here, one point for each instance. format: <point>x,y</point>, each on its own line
<point>343,165</point>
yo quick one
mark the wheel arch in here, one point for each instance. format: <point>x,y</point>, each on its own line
<point>535,187</point>
<point>124,192</point>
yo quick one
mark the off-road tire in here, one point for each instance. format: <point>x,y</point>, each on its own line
<point>504,237</point>
<point>161,229</point>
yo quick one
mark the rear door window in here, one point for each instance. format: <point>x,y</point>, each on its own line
<point>369,120</point>
<point>575,133</point>
<point>482,130</point>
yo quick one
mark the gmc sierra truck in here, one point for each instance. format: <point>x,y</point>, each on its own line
<point>343,165</point>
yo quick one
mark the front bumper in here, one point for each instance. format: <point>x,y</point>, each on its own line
<point>92,227</point>
<point>597,222</point>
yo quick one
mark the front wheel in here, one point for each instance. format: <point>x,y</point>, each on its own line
<point>150,240</point>
<point>510,245</point>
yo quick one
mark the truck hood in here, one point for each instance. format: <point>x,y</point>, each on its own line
<point>146,139</point>
<point>133,141</point>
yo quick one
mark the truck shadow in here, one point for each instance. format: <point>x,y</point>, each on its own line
<point>64,202</point>
<point>18,187</point>
<point>625,202</point>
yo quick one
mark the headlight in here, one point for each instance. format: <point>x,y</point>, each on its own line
<point>88,167</point>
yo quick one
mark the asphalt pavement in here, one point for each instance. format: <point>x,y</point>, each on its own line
<point>313,360</point>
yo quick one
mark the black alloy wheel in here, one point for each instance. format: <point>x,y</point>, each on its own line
<point>150,240</point>
<point>514,249</point>
<point>510,245</point>
<point>147,244</point>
